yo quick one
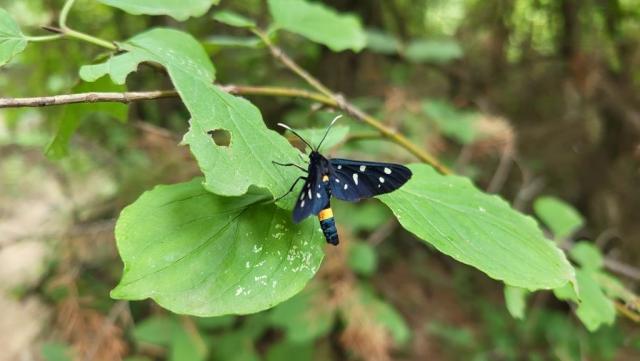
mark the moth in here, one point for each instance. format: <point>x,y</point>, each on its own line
<point>345,179</point>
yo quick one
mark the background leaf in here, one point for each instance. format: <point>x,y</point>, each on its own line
<point>478,229</point>
<point>73,114</point>
<point>362,258</point>
<point>516,301</point>
<point>337,134</point>
<point>433,51</point>
<point>228,170</point>
<point>201,254</point>
<point>382,42</point>
<point>177,9</point>
<point>561,218</point>
<point>12,41</point>
<point>319,23</point>
<point>234,19</point>
<point>587,255</point>
<point>452,122</point>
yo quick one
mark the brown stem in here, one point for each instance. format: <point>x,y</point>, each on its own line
<point>341,103</point>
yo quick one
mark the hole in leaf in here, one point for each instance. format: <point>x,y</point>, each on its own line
<point>221,137</point>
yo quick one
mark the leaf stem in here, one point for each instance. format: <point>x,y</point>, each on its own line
<point>43,38</point>
<point>340,102</point>
<point>65,30</point>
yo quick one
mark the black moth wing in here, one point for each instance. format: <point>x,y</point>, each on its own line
<point>352,180</point>
<point>313,196</point>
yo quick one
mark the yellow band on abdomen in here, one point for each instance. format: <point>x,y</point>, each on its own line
<point>325,214</point>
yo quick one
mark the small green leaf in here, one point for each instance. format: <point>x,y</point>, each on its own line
<point>197,253</point>
<point>382,42</point>
<point>234,19</point>
<point>314,135</point>
<point>478,229</point>
<point>319,23</point>
<point>12,41</point>
<point>229,169</point>
<point>283,351</point>
<point>561,218</point>
<point>54,351</point>
<point>178,9</point>
<point>167,331</point>
<point>156,330</point>
<point>305,317</point>
<point>234,346</point>
<point>362,258</point>
<point>73,114</point>
<point>386,315</point>
<point>587,255</point>
<point>516,300</point>
<point>454,123</point>
<point>187,345</point>
<point>433,51</point>
<point>234,41</point>
<point>214,323</point>
<point>595,309</point>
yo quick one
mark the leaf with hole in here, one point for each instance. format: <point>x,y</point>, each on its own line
<point>229,169</point>
<point>478,229</point>
<point>319,23</point>
<point>177,9</point>
<point>12,41</point>
<point>202,254</point>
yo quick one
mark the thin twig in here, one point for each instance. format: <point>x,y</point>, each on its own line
<point>622,268</point>
<point>350,108</point>
<point>128,97</point>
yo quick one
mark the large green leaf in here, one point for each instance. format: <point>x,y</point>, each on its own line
<point>12,41</point>
<point>228,170</point>
<point>561,218</point>
<point>319,23</point>
<point>177,9</point>
<point>478,229</point>
<point>198,253</point>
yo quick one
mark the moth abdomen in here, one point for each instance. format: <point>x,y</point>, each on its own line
<point>328,225</point>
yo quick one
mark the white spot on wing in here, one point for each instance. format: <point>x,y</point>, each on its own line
<point>337,180</point>
<point>355,178</point>
<point>363,168</point>
<point>302,204</point>
<point>381,180</point>
<point>346,186</point>
<point>309,194</point>
<point>301,196</point>
<point>318,195</point>
<point>339,167</point>
<point>387,170</point>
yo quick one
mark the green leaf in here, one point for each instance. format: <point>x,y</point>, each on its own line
<point>595,309</point>
<point>382,42</point>
<point>12,41</point>
<point>283,351</point>
<point>516,300</point>
<point>314,135</point>
<point>234,346</point>
<point>187,345</point>
<point>305,317</point>
<point>228,170</point>
<point>214,323</point>
<point>587,255</point>
<point>561,218</point>
<point>156,330</point>
<point>433,51</point>
<point>178,9</point>
<point>184,344</point>
<point>386,315</point>
<point>197,253</point>
<point>73,114</point>
<point>319,23</point>
<point>452,122</point>
<point>179,52</point>
<point>478,229</point>
<point>234,41</point>
<point>362,258</point>
<point>234,19</point>
<point>54,351</point>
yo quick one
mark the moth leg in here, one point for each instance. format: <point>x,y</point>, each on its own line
<point>290,189</point>
<point>289,165</point>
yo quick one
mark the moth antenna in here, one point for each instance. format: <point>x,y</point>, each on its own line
<point>295,133</point>
<point>328,129</point>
